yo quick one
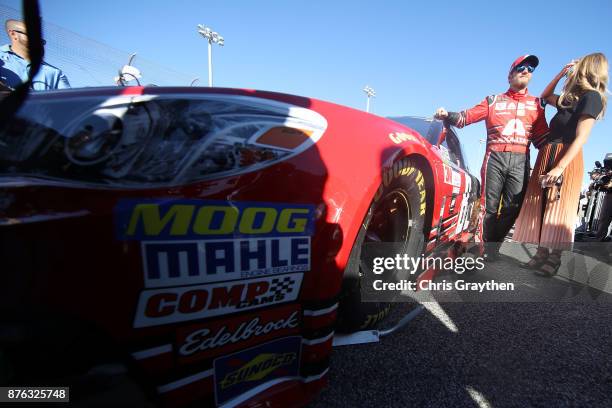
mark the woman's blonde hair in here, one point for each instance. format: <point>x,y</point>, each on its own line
<point>589,74</point>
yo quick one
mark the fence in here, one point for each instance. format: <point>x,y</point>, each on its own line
<point>87,62</point>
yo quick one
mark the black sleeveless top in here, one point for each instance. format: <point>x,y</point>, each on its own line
<point>563,124</point>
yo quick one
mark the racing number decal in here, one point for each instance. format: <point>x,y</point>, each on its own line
<point>514,126</point>
<point>465,211</point>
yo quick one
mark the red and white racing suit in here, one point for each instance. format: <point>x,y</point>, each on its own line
<point>513,120</point>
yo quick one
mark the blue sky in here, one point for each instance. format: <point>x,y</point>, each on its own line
<point>416,55</point>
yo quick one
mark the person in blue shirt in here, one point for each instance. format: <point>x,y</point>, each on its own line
<point>15,62</point>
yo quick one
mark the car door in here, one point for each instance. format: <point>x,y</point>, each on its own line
<point>465,186</point>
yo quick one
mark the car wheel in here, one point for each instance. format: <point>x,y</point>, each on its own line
<point>397,214</point>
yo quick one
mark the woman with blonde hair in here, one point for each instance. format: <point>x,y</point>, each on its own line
<point>549,210</point>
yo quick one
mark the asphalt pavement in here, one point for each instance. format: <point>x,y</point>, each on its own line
<point>548,353</point>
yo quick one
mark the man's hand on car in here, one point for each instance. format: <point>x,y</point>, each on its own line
<point>441,114</point>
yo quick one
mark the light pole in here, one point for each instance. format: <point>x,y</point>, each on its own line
<point>370,94</point>
<point>212,37</point>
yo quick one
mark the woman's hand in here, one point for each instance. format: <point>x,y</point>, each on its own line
<point>549,179</point>
<point>548,94</point>
<point>567,67</point>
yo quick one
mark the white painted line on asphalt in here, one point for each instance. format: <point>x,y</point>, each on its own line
<point>478,398</point>
<point>435,309</point>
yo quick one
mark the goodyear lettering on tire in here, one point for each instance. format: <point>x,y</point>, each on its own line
<point>404,167</point>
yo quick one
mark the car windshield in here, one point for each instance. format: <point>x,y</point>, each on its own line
<point>428,128</point>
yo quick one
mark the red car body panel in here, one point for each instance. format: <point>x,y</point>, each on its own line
<point>67,235</point>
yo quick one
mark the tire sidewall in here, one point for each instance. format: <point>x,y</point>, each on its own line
<point>408,179</point>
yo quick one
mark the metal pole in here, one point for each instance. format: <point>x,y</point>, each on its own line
<point>210,63</point>
<point>369,94</point>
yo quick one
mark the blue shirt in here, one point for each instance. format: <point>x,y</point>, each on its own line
<point>14,70</point>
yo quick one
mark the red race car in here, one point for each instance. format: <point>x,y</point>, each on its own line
<point>183,245</point>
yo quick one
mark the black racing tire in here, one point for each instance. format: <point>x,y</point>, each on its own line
<point>396,214</point>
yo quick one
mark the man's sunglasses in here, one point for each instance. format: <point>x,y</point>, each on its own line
<point>44,42</point>
<point>522,68</point>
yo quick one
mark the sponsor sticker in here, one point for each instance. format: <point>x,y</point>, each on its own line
<point>400,137</point>
<point>456,179</point>
<point>177,263</point>
<point>444,153</point>
<point>164,220</point>
<point>237,373</point>
<point>172,305</point>
<point>450,176</point>
<point>201,341</point>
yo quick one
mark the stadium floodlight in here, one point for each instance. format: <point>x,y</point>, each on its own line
<point>213,38</point>
<point>370,93</point>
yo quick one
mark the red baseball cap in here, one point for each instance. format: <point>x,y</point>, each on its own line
<point>530,59</point>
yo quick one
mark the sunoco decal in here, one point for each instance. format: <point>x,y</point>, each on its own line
<point>239,372</point>
<point>172,305</point>
<point>203,341</point>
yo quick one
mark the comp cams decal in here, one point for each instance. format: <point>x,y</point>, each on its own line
<point>172,305</point>
<point>237,373</point>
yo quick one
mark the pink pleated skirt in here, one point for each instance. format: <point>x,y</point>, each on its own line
<point>551,224</point>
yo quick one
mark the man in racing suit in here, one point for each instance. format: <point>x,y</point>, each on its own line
<point>513,119</point>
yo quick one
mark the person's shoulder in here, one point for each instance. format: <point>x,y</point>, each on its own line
<point>493,97</point>
<point>50,70</point>
<point>590,103</point>
<point>500,96</point>
<point>537,101</point>
<point>50,67</point>
<point>591,95</point>
<point>6,48</point>
<point>590,98</point>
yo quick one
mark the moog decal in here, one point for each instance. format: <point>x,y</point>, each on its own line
<point>152,220</point>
